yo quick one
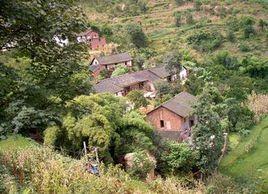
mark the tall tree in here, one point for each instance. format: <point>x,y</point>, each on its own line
<point>137,36</point>
<point>39,30</point>
<point>207,134</point>
<point>172,62</point>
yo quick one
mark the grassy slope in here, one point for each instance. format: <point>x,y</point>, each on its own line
<point>250,157</point>
<point>158,24</point>
<point>15,142</point>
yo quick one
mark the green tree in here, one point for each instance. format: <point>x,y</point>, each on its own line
<point>207,134</point>
<point>178,157</point>
<point>247,24</point>
<point>120,70</point>
<point>172,62</point>
<point>32,27</point>
<point>137,36</point>
<point>139,62</point>
<point>100,120</point>
<point>137,97</point>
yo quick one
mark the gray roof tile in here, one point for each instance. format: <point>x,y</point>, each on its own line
<point>181,104</point>
<point>117,58</point>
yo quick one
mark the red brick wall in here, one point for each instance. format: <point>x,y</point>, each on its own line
<point>167,116</point>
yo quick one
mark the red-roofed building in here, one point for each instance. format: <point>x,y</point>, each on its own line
<point>92,38</point>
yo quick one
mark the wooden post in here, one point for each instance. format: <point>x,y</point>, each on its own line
<point>85,147</point>
<point>97,157</point>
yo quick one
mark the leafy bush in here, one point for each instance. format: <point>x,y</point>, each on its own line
<point>120,70</point>
<point>247,25</point>
<point>197,5</point>
<point>178,18</point>
<point>137,97</point>
<point>137,36</point>
<point>205,41</point>
<point>231,36</point>
<point>177,158</point>
<point>189,17</point>
<point>244,47</point>
<point>225,59</point>
<point>142,165</point>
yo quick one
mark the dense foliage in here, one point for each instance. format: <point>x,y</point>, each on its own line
<point>100,120</point>
<point>40,61</point>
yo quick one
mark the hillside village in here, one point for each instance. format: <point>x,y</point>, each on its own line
<point>133,96</point>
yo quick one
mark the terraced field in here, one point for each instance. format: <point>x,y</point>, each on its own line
<point>159,25</point>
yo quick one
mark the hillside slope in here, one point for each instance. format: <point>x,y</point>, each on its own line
<point>158,22</point>
<point>250,158</point>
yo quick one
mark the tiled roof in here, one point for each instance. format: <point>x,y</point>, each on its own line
<point>116,84</point>
<point>94,67</point>
<point>107,86</point>
<point>160,71</point>
<point>181,104</point>
<point>117,58</point>
<point>85,32</point>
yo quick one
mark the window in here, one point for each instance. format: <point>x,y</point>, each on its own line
<point>162,123</point>
<point>191,123</point>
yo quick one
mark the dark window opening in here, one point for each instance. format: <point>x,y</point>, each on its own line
<point>191,123</point>
<point>162,123</point>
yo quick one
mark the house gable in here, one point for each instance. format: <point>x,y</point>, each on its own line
<point>164,119</point>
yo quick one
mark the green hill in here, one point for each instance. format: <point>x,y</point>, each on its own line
<point>223,18</point>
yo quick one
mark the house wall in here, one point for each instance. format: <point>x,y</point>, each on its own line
<point>183,74</point>
<point>172,121</point>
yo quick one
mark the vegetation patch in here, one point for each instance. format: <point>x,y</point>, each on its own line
<point>249,158</point>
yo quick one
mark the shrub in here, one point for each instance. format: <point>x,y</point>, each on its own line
<point>197,5</point>
<point>142,165</point>
<point>205,40</point>
<point>232,23</point>
<point>189,18</point>
<point>137,97</point>
<point>177,16</point>
<point>247,25</point>
<point>178,157</point>
<point>230,36</point>
<point>137,36</point>
<point>244,47</point>
<point>120,70</point>
<point>225,59</point>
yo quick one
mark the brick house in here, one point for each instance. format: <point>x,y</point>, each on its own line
<point>173,119</point>
<point>92,38</point>
<point>141,80</point>
<point>109,63</point>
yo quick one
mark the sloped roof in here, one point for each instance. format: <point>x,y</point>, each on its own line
<point>116,84</point>
<point>160,71</point>
<point>94,67</point>
<point>107,86</point>
<point>85,32</point>
<point>117,58</point>
<point>181,104</point>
